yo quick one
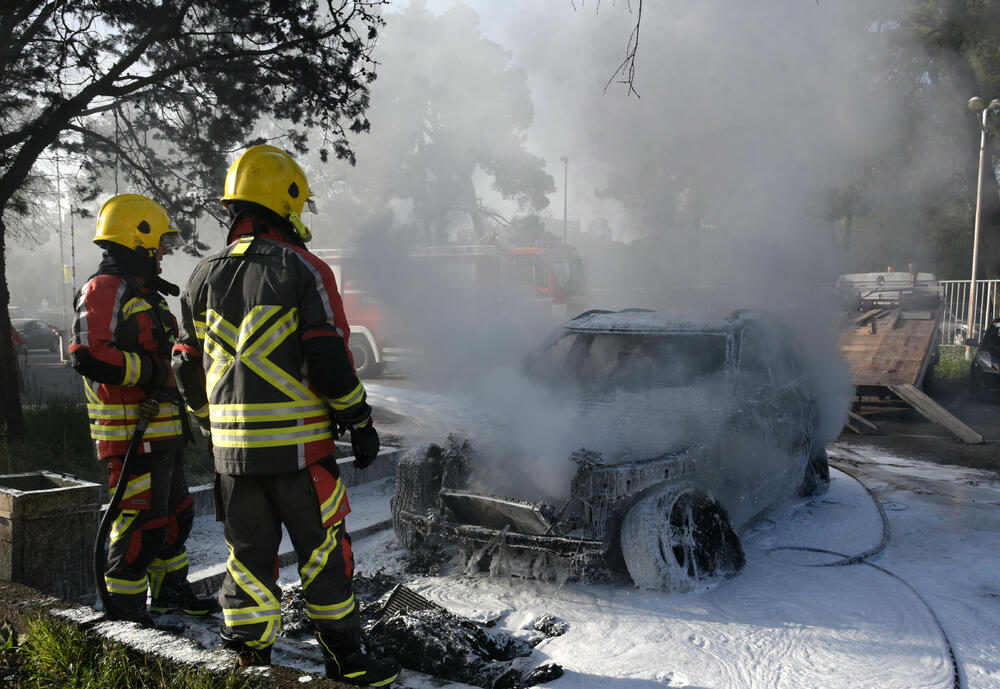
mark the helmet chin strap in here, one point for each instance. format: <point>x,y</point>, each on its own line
<point>121,259</point>
<point>300,227</point>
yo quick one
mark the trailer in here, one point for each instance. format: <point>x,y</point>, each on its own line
<point>890,337</point>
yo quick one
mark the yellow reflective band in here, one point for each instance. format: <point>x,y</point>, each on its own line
<point>250,584</point>
<point>133,368</point>
<point>199,329</point>
<point>336,611</point>
<point>129,412</point>
<point>251,348</point>
<point>121,523</point>
<point>241,246</point>
<point>170,565</point>
<point>332,503</point>
<point>201,412</point>
<point>258,412</point>
<point>126,587</point>
<point>138,484</point>
<point>239,616</point>
<point>266,437</point>
<point>221,328</point>
<point>349,400</point>
<point>135,305</point>
<point>90,390</point>
<point>118,432</point>
<point>317,561</point>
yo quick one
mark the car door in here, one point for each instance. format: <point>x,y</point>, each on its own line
<point>748,458</point>
<point>794,404</point>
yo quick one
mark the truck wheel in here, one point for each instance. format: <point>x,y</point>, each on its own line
<point>418,480</point>
<point>676,537</point>
<point>816,479</point>
<point>364,359</point>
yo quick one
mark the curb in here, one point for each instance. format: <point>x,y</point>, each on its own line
<point>18,603</point>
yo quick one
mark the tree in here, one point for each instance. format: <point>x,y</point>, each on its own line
<point>159,94</point>
<point>449,106</point>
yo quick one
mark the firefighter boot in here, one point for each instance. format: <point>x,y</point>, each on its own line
<point>347,662</point>
<point>178,597</point>
<point>245,656</point>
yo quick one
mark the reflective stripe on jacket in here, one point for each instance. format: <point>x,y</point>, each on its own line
<point>262,354</point>
<point>121,341</point>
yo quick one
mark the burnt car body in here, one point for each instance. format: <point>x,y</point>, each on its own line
<point>731,424</point>
<point>984,371</point>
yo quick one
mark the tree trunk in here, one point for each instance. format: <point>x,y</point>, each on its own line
<point>11,415</point>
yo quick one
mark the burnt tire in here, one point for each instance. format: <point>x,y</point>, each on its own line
<point>364,358</point>
<point>418,481</point>
<point>677,537</point>
<point>816,478</point>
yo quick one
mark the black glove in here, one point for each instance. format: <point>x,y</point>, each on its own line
<point>364,444</point>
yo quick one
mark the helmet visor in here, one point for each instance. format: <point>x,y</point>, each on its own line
<point>170,242</point>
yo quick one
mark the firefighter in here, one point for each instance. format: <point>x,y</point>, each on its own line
<point>121,343</point>
<point>262,361</point>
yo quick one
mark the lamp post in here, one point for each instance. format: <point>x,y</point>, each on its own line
<point>565,162</point>
<point>978,106</point>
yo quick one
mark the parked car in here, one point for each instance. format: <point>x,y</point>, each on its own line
<point>736,424</point>
<point>984,372</point>
<point>37,334</point>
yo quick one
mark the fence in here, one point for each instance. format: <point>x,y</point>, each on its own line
<point>955,318</point>
<point>954,297</point>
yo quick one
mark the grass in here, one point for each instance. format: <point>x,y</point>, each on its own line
<point>56,655</point>
<point>952,364</point>
<point>57,439</point>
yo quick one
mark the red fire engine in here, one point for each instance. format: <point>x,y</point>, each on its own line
<point>543,281</point>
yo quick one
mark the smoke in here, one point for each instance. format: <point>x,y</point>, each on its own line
<point>718,176</point>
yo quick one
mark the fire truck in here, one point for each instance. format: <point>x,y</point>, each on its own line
<point>538,282</point>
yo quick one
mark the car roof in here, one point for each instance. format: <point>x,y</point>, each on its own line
<point>643,322</point>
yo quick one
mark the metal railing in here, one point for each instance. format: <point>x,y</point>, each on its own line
<point>955,314</point>
<point>954,299</point>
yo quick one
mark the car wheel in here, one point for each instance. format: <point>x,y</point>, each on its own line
<point>816,479</point>
<point>418,480</point>
<point>364,358</point>
<point>677,537</point>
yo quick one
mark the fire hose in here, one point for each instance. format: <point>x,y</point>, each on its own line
<point>148,410</point>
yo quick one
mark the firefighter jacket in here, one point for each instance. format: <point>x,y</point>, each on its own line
<point>262,357</point>
<point>121,342</point>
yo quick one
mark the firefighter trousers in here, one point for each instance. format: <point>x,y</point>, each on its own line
<point>255,508</point>
<point>146,549</point>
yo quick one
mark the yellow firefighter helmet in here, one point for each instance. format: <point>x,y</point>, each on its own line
<point>136,222</point>
<point>268,176</point>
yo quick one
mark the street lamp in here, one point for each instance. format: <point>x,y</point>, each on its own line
<point>978,106</point>
<point>565,161</point>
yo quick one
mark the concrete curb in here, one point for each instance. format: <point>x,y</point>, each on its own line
<point>18,603</point>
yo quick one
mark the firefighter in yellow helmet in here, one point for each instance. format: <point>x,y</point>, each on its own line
<point>122,337</point>
<point>263,361</point>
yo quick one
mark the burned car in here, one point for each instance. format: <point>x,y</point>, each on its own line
<point>695,427</point>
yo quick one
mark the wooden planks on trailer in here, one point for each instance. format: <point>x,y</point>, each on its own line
<point>934,412</point>
<point>890,347</point>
